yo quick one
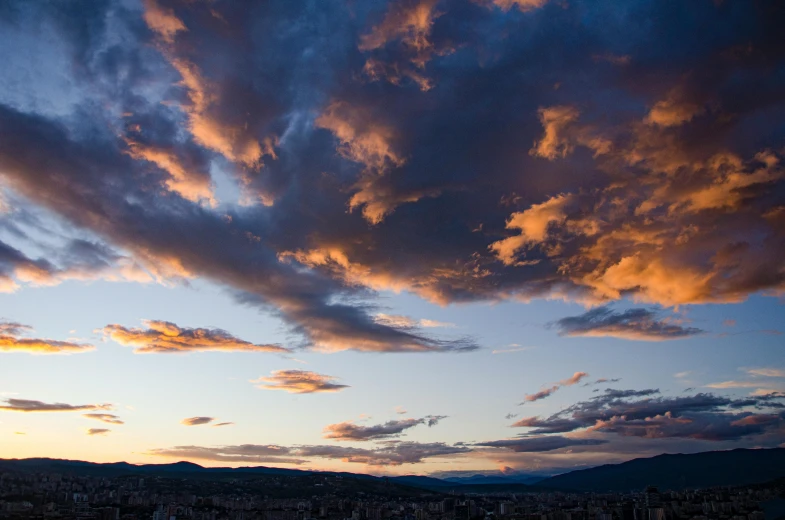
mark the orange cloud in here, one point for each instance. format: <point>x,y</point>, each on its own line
<point>11,342</point>
<point>674,110</point>
<point>166,337</point>
<point>533,224</point>
<point>409,22</point>
<point>162,21</point>
<point>299,382</point>
<point>191,186</point>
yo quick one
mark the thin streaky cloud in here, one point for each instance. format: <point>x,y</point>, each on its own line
<point>299,382</point>
<point>197,421</point>
<point>766,372</point>
<point>27,405</point>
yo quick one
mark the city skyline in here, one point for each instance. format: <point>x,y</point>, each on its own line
<point>391,237</point>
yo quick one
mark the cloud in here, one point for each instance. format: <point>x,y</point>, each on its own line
<point>766,372</point>
<point>400,410</point>
<point>540,444</point>
<point>299,382</point>
<point>391,453</point>
<point>682,375</point>
<point>221,424</point>
<point>668,192</point>
<point>511,350</point>
<point>26,405</point>
<point>734,384</point>
<point>634,324</point>
<point>547,392</point>
<point>11,341</point>
<point>197,421</point>
<point>98,431</point>
<point>166,337</point>
<point>104,417</point>
<point>601,381</point>
<point>349,431</point>
<point>404,322</point>
<point>638,413</point>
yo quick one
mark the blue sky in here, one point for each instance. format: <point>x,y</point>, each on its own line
<point>415,236</point>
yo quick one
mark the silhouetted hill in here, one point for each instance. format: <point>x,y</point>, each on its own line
<point>678,471</point>
<point>496,479</point>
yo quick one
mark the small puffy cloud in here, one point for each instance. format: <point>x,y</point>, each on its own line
<point>511,349</point>
<point>681,375</point>
<point>400,410</point>
<point>98,431</point>
<point>634,324</point>
<point>299,382</point>
<point>540,444</point>
<point>166,337</point>
<point>197,421</point>
<point>26,405</point>
<point>11,340</point>
<point>104,417</point>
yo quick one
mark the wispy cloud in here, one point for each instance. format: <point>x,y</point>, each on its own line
<point>98,431</point>
<point>104,417</point>
<point>26,405</point>
<point>299,382</point>
<point>766,372</point>
<point>511,348</point>
<point>547,392</point>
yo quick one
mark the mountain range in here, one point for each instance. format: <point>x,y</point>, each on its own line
<point>670,471</point>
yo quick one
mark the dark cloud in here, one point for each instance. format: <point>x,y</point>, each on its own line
<point>167,337</point>
<point>420,118</point>
<point>221,424</point>
<point>601,381</point>
<point>349,431</point>
<point>635,324</point>
<point>197,421</point>
<point>26,405</point>
<point>299,382</point>
<point>637,413</point>
<point>538,444</point>
<point>98,431</point>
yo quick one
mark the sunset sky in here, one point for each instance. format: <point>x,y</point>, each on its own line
<point>391,237</point>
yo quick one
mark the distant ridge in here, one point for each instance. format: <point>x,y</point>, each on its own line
<point>678,471</point>
<point>670,471</point>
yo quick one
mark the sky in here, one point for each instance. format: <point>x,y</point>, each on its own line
<point>436,237</point>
